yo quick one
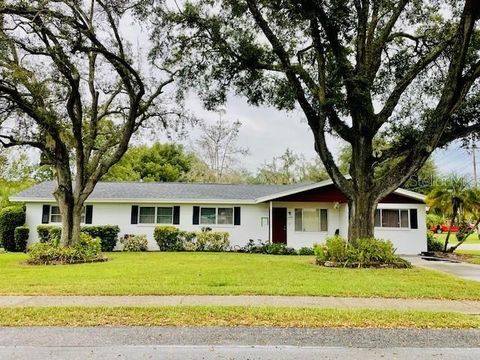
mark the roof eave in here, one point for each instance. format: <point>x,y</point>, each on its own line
<point>143,201</point>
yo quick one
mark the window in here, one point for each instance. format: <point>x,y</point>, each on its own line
<point>393,218</point>
<point>311,220</point>
<point>212,216</point>
<point>147,215</point>
<point>164,215</point>
<point>225,216</point>
<point>56,217</point>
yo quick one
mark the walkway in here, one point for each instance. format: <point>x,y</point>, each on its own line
<point>461,269</point>
<point>462,306</point>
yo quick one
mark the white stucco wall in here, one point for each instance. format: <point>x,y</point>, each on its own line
<point>120,214</point>
<point>407,241</point>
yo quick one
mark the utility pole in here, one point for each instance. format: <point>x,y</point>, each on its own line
<point>474,165</point>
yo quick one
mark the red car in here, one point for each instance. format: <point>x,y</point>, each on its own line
<point>444,228</point>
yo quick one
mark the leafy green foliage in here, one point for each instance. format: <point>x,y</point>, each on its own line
<point>159,162</point>
<point>21,238</point>
<point>170,238</point>
<point>108,235</point>
<point>10,218</point>
<point>49,233</point>
<point>278,249</point>
<point>368,252</point>
<point>214,241</point>
<point>432,243</point>
<point>134,243</point>
<point>87,249</point>
<point>306,251</point>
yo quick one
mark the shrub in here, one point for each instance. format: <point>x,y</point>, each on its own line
<point>134,242</point>
<point>432,243</point>
<point>21,238</point>
<point>305,251</point>
<point>252,247</point>
<point>10,218</point>
<point>168,238</point>
<point>108,235</point>
<point>87,249</point>
<point>278,249</point>
<point>49,233</point>
<point>367,252</point>
<point>215,241</point>
<point>336,249</point>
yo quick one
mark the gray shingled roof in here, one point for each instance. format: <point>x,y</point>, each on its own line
<point>160,191</point>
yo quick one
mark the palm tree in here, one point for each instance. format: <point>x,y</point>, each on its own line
<point>455,199</point>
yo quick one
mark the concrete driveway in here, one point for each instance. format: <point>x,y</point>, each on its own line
<point>462,270</point>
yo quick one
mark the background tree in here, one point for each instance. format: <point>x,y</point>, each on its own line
<point>455,199</point>
<point>405,71</point>
<point>290,168</point>
<point>159,162</point>
<point>218,147</point>
<point>70,88</point>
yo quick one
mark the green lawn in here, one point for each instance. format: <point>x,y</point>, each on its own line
<point>472,239</point>
<point>233,316</point>
<point>224,274</point>
<point>475,259</point>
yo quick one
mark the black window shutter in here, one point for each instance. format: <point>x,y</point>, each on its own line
<point>176,215</point>
<point>88,214</point>
<point>196,215</point>
<point>45,214</point>
<point>413,219</point>
<point>134,218</point>
<point>236,215</point>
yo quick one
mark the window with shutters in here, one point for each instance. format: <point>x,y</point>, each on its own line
<point>392,218</point>
<point>216,216</point>
<point>155,215</point>
<point>56,217</point>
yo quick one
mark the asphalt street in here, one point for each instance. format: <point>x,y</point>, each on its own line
<point>235,343</point>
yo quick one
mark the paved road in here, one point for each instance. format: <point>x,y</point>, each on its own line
<point>463,270</point>
<point>235,343</point>
<point>236,352</point>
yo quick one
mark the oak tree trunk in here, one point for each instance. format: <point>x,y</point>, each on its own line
<point>361,216</point>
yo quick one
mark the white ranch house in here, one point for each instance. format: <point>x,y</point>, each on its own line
<point>297,215</point>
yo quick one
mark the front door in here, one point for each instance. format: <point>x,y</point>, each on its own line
<point>279,229</point>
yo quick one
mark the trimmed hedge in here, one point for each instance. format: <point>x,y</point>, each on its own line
<point>21,235</point>
<point>10,218</point>
<point>108,235</point>
<point>48,233</point>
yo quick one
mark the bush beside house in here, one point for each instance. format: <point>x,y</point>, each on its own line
<point>86,250</point>
<point>108,234</point>
<point>11,217</point>
<point>134,243</point>
<point>361,253</point>
<point>21,234</point>
<point>170,238</point>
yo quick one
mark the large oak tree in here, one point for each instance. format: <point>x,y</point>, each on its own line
<point>403,71</point>
<point>71,88</point>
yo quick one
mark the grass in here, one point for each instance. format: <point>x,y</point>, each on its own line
<point>233,316</point>
<point>472,239</point>
<point>224,274</point>
<point>475,256</point>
